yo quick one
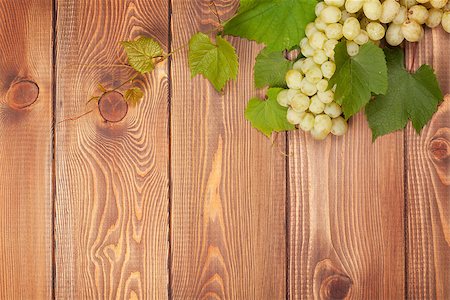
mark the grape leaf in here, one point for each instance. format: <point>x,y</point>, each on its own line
<point>279,24</point>
<point>268,116</point>
<point>271,68</point>
<point>216,62</point>
<point>409,96</point>
<point>246,4</point>
<point>358,76</point>
<point>142,53</point>
<point>133,95</point>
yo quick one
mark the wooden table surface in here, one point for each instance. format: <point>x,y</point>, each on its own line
<point>183,199</point>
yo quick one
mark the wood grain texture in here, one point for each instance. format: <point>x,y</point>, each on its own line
<point>112,178</point>
<point>346,216</point>
<point>25,149</point>
<point>428,174</point>
<point>228,201</point>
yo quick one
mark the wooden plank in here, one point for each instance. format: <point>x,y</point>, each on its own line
<point>346,216</point>
<point>25,149</point>
<point>228,202</point>
<point>112,178</point>
<point>428,170</point>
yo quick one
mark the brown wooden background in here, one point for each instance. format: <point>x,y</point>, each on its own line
<point>183,199</point>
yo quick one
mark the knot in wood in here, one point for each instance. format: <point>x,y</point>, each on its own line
<point>439,148</point>
<point>112,106</point>
<point>335,287</point>
<point>22,94</point>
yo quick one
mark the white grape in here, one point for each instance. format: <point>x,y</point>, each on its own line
<point>300,102</point>
<point>422,1</point>
<point>292,93</point>
<point>353,6</point>
<point>319,7</point>
<point>418,13</point>
<point>308,88</point>
<point>322,127</point>
<point>307,50</point>
<point>283,98</point>
<point>390,8</point>
<point>320,57</point>
<point>320,24</point>
<point>322,85</point>
<point>328,68</point>
<point>352,48</point>
<point>362,38</point>
<point>326,97</point>
<point>375,31</point>
<point>372,9</point>
<point>412,31</point>
<point>307,64</point>
<point>351,28</point>
<point>408,3</point>
<point>294,117</point>
<point>314,74</point>
<point>307,122</point>
<point>294,79</point>
<point>434,17</point>
<point>401,16</point>
<point>334,31</point>
<point>329,46</point>
<point>317,40</point>
<point>446,21</point>
<point>330,14</point>
<point>394,35</point>
<point>339,126</point>
<point>316,106</point>
<point>333,110</point>
<point>303,42</point>
<point>337,3</point>
<point>310,29</point>
<point>438,3</point>
<point>298,64</point>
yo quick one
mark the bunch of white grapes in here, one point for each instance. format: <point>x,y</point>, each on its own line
<point>310,102</point>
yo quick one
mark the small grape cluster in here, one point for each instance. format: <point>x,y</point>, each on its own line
<point>310,102</point>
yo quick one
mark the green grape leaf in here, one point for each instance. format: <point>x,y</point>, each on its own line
<point>216,62</point>
<point>133,95</point>
<point>412,97</point>
<point>246,4</point>
<point>142,53</point>
<point>267,115</point>
<point>271,68</point>
<point>279,24</point>
<point>359,76</point>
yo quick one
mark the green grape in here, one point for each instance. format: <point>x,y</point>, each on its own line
<point>283,98</point>
<point>328,68</point>
<point>294,117</point>
<point>326,97</point>
<point>375,31</point>
<point>353,6</point>
<point>308,88</point>
<point>352,48</point>
<point>294,79</point>
<point>316,106</point>
<point>330,14</point>
<point>307,122</point>
<point>317,40</point>
<point>394,35</point>
<point>339,126</point>
<point>434,17</point>
<point>298,64</point>
<point>329,46</point>
<point>300,102</point>
<point>351,28</point>
<point>401,16</point>
<point>362,38</point>
<point>334,31</point>
<point>337,3</point>
<point>412,31</point>
<point>322,127</point>
<point>322,85</point>
<point>307,64</point>
<point>310,29</point>
<point>320,57</point>
<point>418,13</point>
<point>372,9</point>
<point>446,21</point>
<point>319,7</point>
<point>390,9</point>
<point>333,110</point>
<point>314,74</point>
<point>438,3</point>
